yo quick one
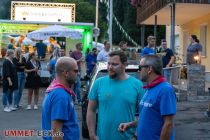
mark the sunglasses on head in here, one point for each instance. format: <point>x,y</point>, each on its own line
<point>143,66</point>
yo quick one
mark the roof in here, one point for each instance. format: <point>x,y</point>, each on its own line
<point>48,23</point>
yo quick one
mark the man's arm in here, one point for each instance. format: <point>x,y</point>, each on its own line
<point>57,128</point>
<point>91,119</point>
<point>124,126</point>
<point>167,128</point>
<point>172,60</point>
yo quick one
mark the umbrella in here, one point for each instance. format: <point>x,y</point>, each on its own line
<point>54,31</point>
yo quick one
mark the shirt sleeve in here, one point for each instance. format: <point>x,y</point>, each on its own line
<point>6,69</point>
<point>72,55</point>
<point>143,52</point>
<point>28,65</point>
<point>199,47</point>
<point>99,57</point>
<point>60,109</point>
<point>93,95</point>
<point>168,102</point>
<point>171,53</point>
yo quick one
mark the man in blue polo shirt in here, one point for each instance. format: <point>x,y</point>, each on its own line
<point>149,49</point>
<point>58,114</point>
<point>158,105</point>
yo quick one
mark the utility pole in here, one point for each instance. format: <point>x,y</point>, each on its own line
<point>110,21</point>
<point>96,22</point>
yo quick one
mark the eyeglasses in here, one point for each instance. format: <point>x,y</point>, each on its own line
<point>142,66</point>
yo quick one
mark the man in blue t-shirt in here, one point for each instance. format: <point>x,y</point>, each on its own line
<point>149,49</point>
<point>168,59</point>
<point>115,97</point>
<point>158,105</point>
<point>58,113</point>
<point>91,61</point>
<point>41,49</point>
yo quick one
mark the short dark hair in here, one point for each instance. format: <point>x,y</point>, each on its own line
<point>94,49</point>
<point>150,37</point>
<point>163,40</point>
<point>78,44</point>
<point>155,61</point>
<point>122,43</point>
<point>121,54</point>
<point>106,42</point>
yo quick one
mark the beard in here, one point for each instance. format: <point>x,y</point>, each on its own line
<point>144,78</point>
<point>112,75</point>
<point>71,81</point>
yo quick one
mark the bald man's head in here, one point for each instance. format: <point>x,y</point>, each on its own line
<point>65,64</point>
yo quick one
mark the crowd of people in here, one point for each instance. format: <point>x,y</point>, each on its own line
<point>152,97</point>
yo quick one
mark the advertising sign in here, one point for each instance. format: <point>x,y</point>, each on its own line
<point>39,11</point>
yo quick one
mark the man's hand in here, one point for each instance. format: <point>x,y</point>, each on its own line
<point>123,126</point>
<point>94,138</point>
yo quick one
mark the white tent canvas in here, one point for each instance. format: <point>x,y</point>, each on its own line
<point>54,31</point>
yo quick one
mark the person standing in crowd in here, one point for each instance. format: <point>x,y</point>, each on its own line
<point>168,59</point>
<point>103,54</point>
<point>77,55</point>
<point>58,52</point>
<point>158,105</point>
<point>33,79</point>
<point>58,113</point>
<point>20,63</point>
<point>91,61</point>
<point>62,52</point>
<point>41,49</point>
<point>11,45</point>
<point>3,52</point>
<point>150,48</point>
<point>52,62</point>
<point>123,46</point>
<point>193,50</point>
<point>26,53</point>
<point>116,97</point>
<point>10,81</point>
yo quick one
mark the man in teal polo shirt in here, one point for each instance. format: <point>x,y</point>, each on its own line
<point>115,97</point>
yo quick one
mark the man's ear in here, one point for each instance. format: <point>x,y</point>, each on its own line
<point>150,70</point>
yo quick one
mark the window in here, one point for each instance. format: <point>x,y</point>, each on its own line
<point>203,39</point>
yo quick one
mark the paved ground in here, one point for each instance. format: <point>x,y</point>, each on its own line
<point>190,122</point>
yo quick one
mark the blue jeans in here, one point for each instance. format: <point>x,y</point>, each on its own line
<point>21,85</point>
<point>76,89</point>
<point>7,97</point>
<point>167,74</point>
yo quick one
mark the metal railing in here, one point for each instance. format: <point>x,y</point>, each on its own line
<point>175,75</point>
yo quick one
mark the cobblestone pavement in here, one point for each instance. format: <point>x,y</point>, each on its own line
<point>190,122</point>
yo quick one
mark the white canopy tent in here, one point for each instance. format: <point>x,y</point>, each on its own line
<point>54,31</point>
